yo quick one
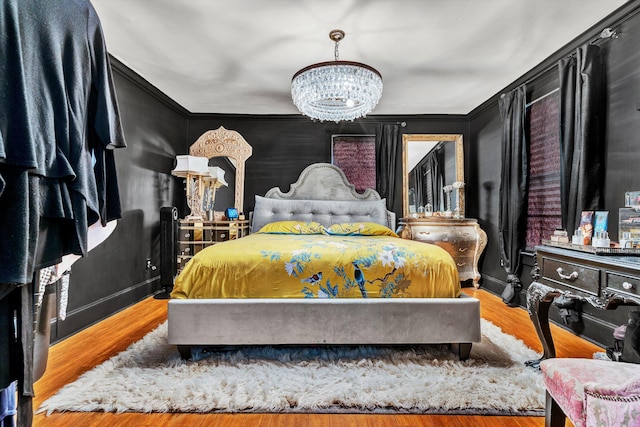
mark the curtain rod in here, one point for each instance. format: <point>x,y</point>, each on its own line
<point>614,20</point>
<point>605,35</point>
<point>540,98</point>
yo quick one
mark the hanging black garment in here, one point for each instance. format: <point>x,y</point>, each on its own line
<point>582,134</point>
<point>58,115</point>
<point>58,124</point>
<point>514,185</point>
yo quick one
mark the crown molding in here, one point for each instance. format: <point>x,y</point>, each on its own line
<point>119,67</point>
<point>614,20</point>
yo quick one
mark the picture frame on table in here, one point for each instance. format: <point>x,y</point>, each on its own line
<point>586,226</point>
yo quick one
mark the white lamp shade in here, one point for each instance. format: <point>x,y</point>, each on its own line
<point>216,174</point>
<point>193,165</point>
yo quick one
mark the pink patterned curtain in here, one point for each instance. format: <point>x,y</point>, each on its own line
<point>544,212</point>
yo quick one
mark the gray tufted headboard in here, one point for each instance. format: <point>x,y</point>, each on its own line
<point>323,194</point>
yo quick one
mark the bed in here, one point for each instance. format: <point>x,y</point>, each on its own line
<point>272,288</point>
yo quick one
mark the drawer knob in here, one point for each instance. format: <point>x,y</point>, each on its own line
<point>563,275</point>
<point>627,285</point>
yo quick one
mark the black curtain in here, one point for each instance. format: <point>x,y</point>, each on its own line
<point>513,187</point>
<point>419,187</point>
<point>434,169</point>
<point>387,137</point>
<point>582,138</point>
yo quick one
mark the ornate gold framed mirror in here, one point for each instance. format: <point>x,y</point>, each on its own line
<point>433,175</point>
<point>230,144</point>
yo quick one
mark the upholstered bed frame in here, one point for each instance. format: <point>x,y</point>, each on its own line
<point>323,194</point>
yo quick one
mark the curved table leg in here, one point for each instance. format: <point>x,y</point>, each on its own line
<point>481,244</point>
<point>476,281</point>
<point>539,299</point>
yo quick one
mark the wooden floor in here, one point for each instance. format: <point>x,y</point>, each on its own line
<point>81,352</point>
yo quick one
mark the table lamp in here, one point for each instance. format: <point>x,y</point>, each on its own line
<point>193,169</point>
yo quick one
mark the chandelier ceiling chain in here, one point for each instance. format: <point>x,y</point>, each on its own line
<point>336,90</point>
<point>336,36</point>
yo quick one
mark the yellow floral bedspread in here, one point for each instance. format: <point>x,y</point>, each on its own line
<point>319,266</point>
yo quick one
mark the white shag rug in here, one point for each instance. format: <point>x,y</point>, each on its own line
<point>150,376</point>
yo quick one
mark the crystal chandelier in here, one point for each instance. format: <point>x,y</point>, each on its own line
<point>336,90</point>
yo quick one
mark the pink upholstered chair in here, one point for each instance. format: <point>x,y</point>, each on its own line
<point>591,392</point>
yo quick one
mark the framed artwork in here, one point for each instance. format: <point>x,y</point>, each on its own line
<point>356,156</point>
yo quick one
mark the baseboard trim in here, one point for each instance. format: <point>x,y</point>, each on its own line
<point>87,315</point>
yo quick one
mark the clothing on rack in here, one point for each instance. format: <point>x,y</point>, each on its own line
<point>59,121</point>
<point>59,124</point>
<point>8,406</point>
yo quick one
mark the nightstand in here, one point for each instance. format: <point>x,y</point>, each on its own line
<point>196,234</point>
<point>462,238</point>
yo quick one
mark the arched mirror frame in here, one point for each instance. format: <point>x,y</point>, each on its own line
<point>225,143</point>
<point>457,138</point>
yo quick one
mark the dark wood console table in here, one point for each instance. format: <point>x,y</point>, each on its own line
<point>604,281</point>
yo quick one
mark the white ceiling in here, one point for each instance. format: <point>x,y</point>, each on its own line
<point>435,56</point>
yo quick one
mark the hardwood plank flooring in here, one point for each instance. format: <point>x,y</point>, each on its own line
<point>90,347</point>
